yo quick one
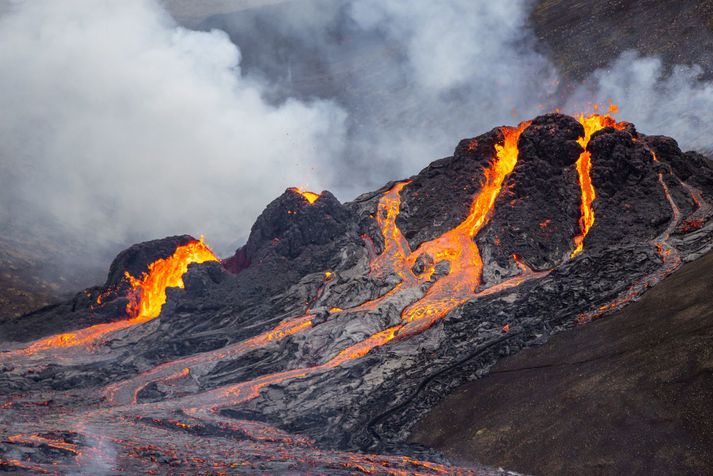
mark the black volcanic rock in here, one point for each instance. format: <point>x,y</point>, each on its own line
<point>290,248</point>
<point>290,224</point>
<point>701,171</point>
<point>690,167</point>
<point>630,205</point>
<point>537,213</point>
<point>439,197</point>
<point>293,238</point>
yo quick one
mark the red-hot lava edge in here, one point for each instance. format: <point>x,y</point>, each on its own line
<point>116,412</point>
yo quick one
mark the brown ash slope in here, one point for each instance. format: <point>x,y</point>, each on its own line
<point>629,394</point>
<point>341,324</point>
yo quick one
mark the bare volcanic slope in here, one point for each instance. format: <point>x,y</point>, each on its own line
<point>23,290</point>
<point>629,394</point>
<point>586,35</point>
<point>28,280</point>
<point>317,346</point>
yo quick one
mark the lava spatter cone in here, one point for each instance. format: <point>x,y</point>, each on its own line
<point>337,325</point>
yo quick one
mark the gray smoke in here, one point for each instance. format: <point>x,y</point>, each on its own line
<point>99,457</point>
<point>670,101</point>
<point>414,76</point>
<point>118,125</point>
<point>417,76</point>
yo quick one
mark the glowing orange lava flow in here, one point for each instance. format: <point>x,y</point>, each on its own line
<point>311,197</point>
<point>396,247</point>
<point>457,246</point>
<point>150,290</point>
<point>127,391</point>
<point>591,124</point>
<point>146,300</point>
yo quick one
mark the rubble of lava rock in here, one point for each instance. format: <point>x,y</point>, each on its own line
<point>318,345</point>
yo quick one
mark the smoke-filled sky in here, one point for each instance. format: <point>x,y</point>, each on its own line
<point>118,125</point>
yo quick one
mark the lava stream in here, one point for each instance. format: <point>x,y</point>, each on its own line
<point>127,391</point>
<point>670,259</point>
<point>205,406</point>
<point>392,259</point>
<point>456,246</point>
<point>147,297</point>
<point>149,291</point>
<point>703,208</point>
<point>591,124</point>
<point>396,247</point>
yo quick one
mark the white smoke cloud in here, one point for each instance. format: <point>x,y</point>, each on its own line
<point>675,102</point>
<point>486,51</point>
<point>120,125</point>
<point>415,77</point>
<point>464,68</point>
<point>99,457</point>
<point>454,43</point>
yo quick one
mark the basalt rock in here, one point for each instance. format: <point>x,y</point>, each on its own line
<point>691,167</point>
<point>536,215</point>
<point>439,197</point>
<point>293,238</point>
<point>631,205</point>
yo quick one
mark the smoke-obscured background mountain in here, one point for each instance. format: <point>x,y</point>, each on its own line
<point>129,120</point>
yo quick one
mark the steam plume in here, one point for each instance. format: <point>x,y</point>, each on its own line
<point>118,124</point>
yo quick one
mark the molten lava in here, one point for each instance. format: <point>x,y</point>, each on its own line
<point>145,301</point>
<point>591,124</point>
<point>396,248</point>
<point>311,197</point>
<point>457,246</point>
<point>149,294</point>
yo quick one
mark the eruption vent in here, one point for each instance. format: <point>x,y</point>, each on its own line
<point>311,197</point>
<point>149,294</point>
<point>147,297</point>
<point>591,124</point>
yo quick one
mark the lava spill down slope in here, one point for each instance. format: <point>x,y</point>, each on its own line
<point>337,325</point>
